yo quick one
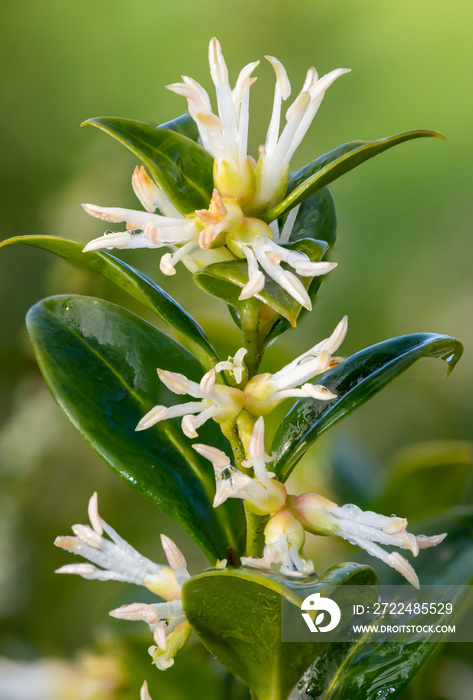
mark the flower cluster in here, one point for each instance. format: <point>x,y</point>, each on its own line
<point>119,561</point>
<point>233,228</point>
<point>292,516</point>
<point>262,393</point>
<point>229,229</point>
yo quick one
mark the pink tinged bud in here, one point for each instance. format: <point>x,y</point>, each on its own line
<point>175,559</point>
<point>173,554</point>
<point>424,542</point>
<point>218,68</point>
<point>137,612</point>
<point>145,189</point>
<point>144,694</point>
<point>177,383</point>
<point>84,570</point>
<point>88,535</point>
<point>218,458</point>
<point>157,414</point>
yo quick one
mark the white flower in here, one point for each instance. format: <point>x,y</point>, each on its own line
<point>273,166</point>
<point>145,229</point>
<point>234,365</point>
<point>284,538</point>
<point>363,528</point>
<point>218,401</point>
<point>263,493</point>
<point>260,245</point>
<point>118,560</point>
<point>121,562</point>
<point>167,622</point>
<point>226,136</point>
<point>265,391</point>
<point>227,230</point>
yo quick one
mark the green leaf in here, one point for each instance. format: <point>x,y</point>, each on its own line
<point>332,165</point>
<point>354,381</point>
<point>131,281</point>
<point>372,669</point>
<point>427,463</point>
<point>99,362</point>
<point>225,280</point>
<point>316,218</point>
<point>183,125</point>
<point>179,165</point>
<point>237,615</point>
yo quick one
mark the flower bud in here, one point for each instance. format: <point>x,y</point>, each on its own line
<point>309,509</point>
<point>260,395</point>
<point>235,183</point>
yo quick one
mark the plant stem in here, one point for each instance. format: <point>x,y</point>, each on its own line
<point>250,328</point>
<point>255,525</point>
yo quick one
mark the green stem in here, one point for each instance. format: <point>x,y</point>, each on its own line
<point>255,525</point>
<point>250,328</point>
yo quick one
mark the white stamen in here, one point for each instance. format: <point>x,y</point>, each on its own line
<point>218,458</point>
<point>289,224</point>
<point>88,535</point>
<point>144,694</point>
<point>93,512</point>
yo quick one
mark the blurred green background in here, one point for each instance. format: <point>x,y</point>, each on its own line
<point>405,256</point>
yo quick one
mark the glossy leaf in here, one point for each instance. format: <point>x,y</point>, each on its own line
<point>176,163</point>
<point>372,669</point>
<point>99,362</point>
<point>225,281</point>
<point>354,381</point>
<point>237,615</point>
<point>449,462</point>
<point>332,165</point>
<point>183,125</point>
<point>131,281</point>
<point>316,218</point>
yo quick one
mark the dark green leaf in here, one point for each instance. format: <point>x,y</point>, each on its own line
<point>176,163</point>
<point>374,670</point>
<point>354,381</point>
<point>183,125</point>
<point>225,281</point>
<point>449,462</point>
<point>131,281</point>
<point>237,615</point>
<point>332,165</point>
<point>99,362</point>
<point>316,218</point>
